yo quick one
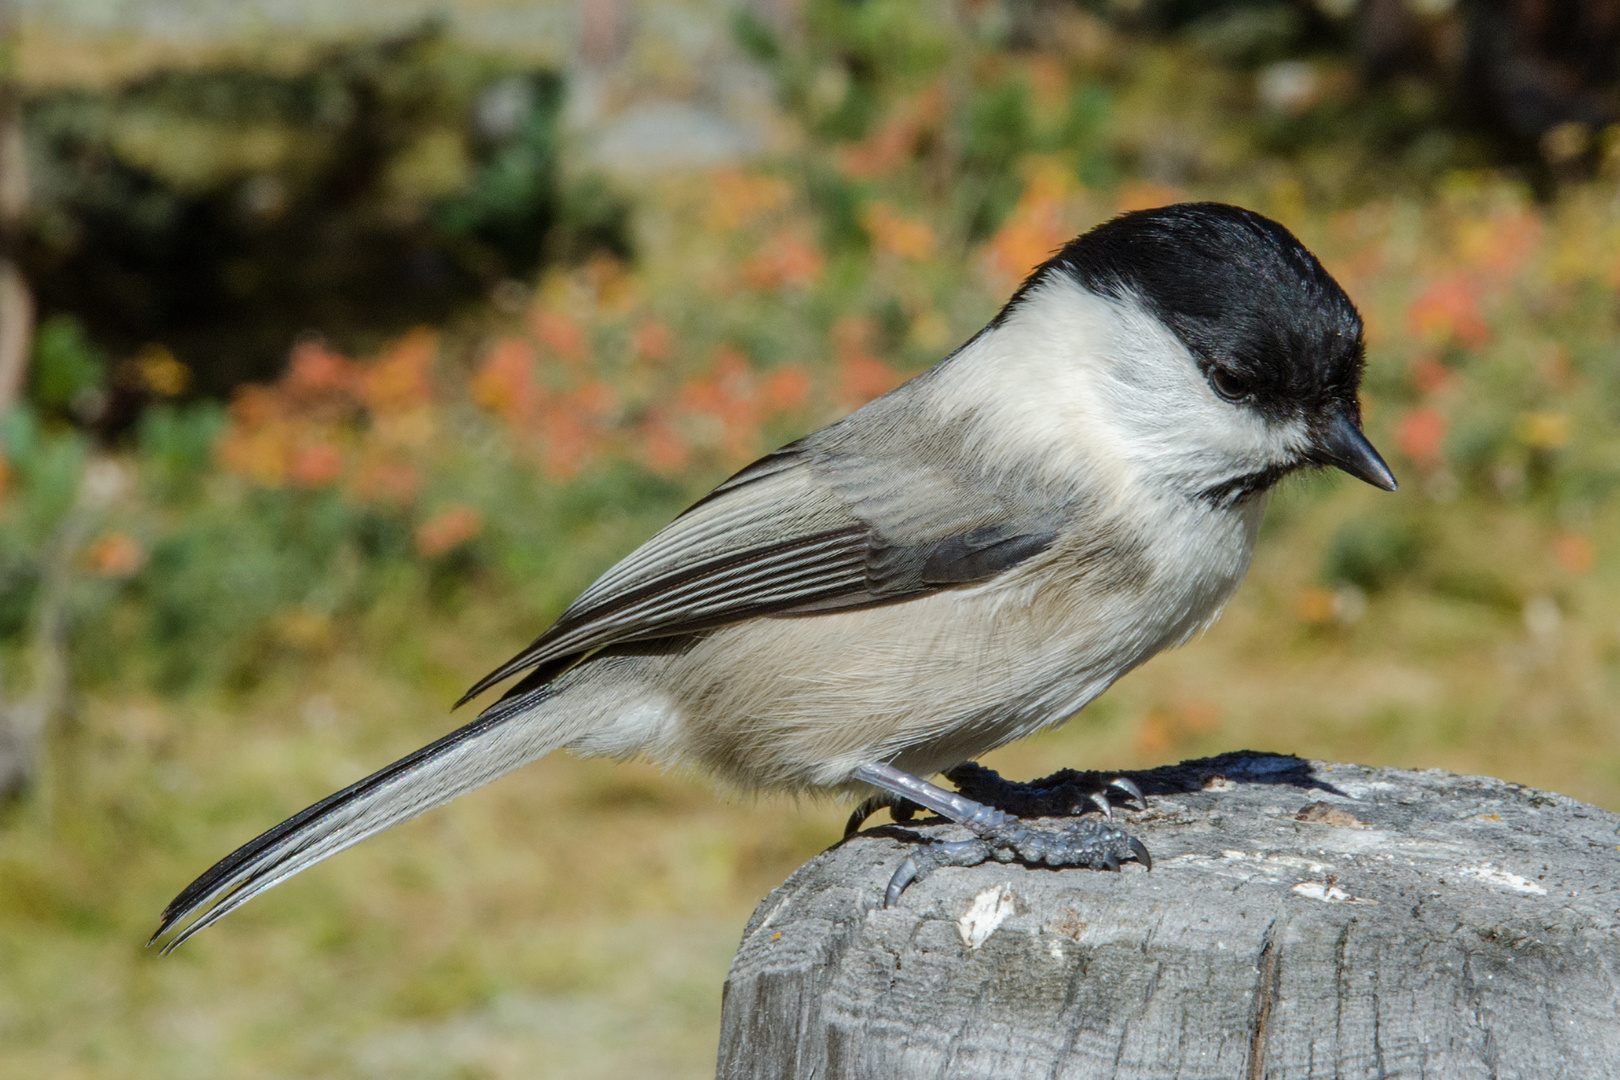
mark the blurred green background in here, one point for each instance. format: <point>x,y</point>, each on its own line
<point>367,334</point>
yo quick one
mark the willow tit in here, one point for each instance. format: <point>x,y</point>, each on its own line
<point>970,558</point>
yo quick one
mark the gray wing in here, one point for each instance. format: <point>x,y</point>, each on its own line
<point>811,528</point>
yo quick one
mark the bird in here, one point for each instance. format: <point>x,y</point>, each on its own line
<point>968,559</point>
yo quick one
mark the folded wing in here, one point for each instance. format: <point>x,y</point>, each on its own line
<point>805,530</point>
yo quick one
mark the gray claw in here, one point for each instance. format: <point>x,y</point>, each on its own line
<point>1141,852</point>
<point>1129,787</point>
<point>1102,804</point>
<point>903,876</point>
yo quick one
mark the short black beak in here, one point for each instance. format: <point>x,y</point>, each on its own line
<point>1341,444</point>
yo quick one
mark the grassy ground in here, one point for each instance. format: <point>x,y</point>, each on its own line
<point>577,918</point>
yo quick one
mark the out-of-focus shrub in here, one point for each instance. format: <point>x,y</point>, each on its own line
<point>1372,552</point>
<point>69,373</point>
<point>218,213</point>
<point>524,447</point>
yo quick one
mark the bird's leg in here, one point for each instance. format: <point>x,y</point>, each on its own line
<point>1065,792</point>
<point>997,835</point>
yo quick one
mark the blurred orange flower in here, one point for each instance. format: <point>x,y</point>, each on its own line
<point>259,451</point>
<point>1429,375</point>
<point>316,370</point>
<point>610,282</point>
<point>316,465</point>
<point>1167,727</point>
<point>1048,80</point>
<point>1314,605</point>
<point>1154,736</point>
<point>559,333</point>
<point>730,398</point>
<point>398,380</point>
<point>653,341</point>
<point>898,139</point>
<point>861,376</point>
<point>447,530</point>
<point>789,259</point>
<point>1574,553</point>
<point>1499,243</point>
<point>116,555</point>
<point>737,198</point>
<point>909,238</point>
<point>1420,435</point>
<point>567,443</point>
<point>254,406</point>
<point>1037,227</point>
<point>504,382</point>
<point>1147,194</point>
<point>573,426</point>
<point>787,389</point>
<point>161,371</point>
<point>662,447</point>
<point>1448,310</point>
<point>383,480</point>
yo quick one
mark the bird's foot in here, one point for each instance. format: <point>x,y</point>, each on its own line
<point>1089,843</point>
<point>1064,793</point>
<point>997,834</point>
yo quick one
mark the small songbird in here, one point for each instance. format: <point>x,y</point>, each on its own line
<point>970,558</point>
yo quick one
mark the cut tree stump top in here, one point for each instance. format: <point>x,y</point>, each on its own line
<point>1302,919</point>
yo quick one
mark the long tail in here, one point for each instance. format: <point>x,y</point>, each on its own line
<point>507,736</point>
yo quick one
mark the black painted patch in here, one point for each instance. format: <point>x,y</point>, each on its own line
<point>1257,310</point>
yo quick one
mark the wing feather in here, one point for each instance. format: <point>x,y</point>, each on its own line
<point>805,530</point>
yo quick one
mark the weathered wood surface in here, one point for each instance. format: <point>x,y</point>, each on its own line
<point>1302,919</point>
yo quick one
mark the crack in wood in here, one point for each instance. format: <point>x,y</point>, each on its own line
<point>1269,964</point>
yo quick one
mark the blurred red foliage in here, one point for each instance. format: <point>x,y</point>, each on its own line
<point>861,375</point>
<point>116,555</point>
<point>912,125</point>
<point>447,530</point>
<point>894,234</point>
<point>1420,435</point>
<point>330,417</point>
<point>1448,312</point>
<point>788,260</point>
<point>1574,553</point>
<point>1037,227</point>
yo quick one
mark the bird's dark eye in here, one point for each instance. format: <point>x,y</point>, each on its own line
<point>1228,385</point>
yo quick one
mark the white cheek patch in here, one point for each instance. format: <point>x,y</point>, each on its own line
<point>1077,383</point>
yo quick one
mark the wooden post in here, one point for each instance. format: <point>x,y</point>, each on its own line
<point>1302,919</point>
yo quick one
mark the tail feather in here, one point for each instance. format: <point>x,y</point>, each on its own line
<point>501,740</point>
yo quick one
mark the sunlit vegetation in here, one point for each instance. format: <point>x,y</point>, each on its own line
<point>283,589</point>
